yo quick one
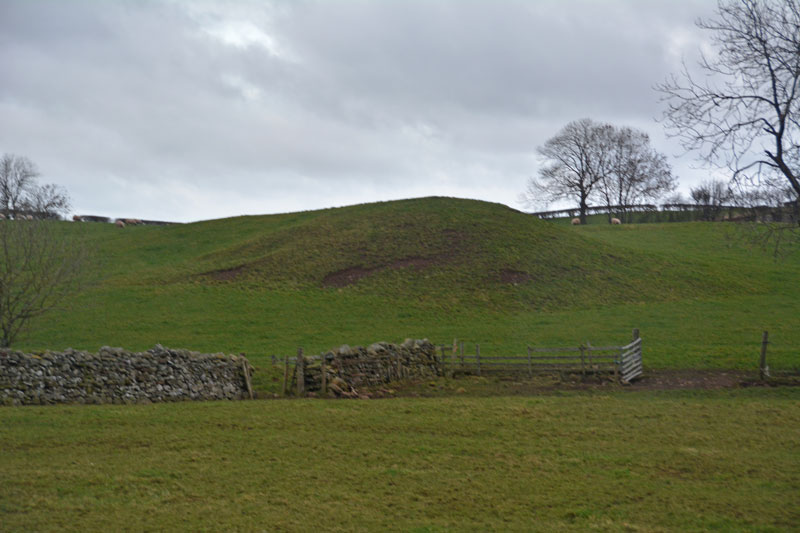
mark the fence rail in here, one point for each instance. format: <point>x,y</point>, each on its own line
<point>623,362</point>
<point>785,212</point>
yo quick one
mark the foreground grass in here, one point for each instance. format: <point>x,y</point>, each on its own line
<point>620,461</point>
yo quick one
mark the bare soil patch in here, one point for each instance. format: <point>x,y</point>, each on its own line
<point>352,275</point>
<point>508,385</point>
<point>226,274</point>
<point>693,379</point>
<point>513,277</point>
<point>347,276</point>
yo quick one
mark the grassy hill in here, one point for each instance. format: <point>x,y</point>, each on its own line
<point>433,267</point>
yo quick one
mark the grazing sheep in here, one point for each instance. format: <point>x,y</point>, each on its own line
<point>28,217</point>
<point>616,221</point>
<point>2,216</point>
<point>576,222</point>
<point>119,224</point>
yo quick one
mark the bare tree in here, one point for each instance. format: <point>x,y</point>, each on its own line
<point>40,266</point>
<point>21,194</point>
<point>40,263</point>
<point>637,173</point>
<point>575,160</point>
<point>48,201</point>
<point>675,198</point>
<point>711,196</point>
<point>743,113</point>
<point>588,160</point>
<point>17,176</point>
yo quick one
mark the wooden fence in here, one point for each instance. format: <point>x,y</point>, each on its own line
<point>624,363</point>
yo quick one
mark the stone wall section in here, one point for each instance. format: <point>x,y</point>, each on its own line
<point>350,368</point>
<point>114,375</point>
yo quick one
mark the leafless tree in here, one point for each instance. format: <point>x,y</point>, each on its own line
<point>21,194</point>
<point>589,160</point>
<point>637,173</point>
<point>41,265</point>
<point>675,198</point>
<point>743,112</point>
<point>48,201</point>
<point>711,196</point>
<point>575,160</point>
<point>17,176</point>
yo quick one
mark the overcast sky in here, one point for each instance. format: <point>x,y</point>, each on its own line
<point>189,110</point>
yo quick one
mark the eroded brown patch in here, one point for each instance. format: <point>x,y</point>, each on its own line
<point>225,274</point>
<point>352,275</point>
<point>515,277</point>
<point>347,276</point>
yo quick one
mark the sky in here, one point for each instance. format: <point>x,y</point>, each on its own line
<point>186,110</point>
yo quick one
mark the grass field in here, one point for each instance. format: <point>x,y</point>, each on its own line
<point>623,461</point>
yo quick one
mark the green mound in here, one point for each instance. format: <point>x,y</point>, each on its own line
<point>434,267</point>
<point>447,252</point>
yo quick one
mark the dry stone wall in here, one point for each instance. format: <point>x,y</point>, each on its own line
<point>114,375</point>
<point>349,368</point>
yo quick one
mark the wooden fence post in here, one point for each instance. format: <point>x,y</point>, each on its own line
<point>478,357</point>
<point>285,373</point>
<point>323,369</point>
<point>461,353</point>
<point>453,360</point>
<point>247,381</point>
<point>635,333</point>
<point>591,361</point>
<point>530,365</point>
<point>301,375</point>
<point>762,366</point>
<point>583,361</point>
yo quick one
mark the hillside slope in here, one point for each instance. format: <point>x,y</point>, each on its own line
<point>447,251</point>
<point>432,267</point>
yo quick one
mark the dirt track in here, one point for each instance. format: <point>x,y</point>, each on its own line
<point>497,385</point>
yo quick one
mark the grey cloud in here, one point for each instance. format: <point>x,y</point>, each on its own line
<point>249,106</point>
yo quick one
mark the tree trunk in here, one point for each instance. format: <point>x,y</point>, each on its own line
<point>583,209</point>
